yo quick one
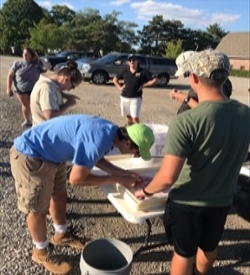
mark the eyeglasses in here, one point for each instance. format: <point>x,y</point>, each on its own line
<point>132,60</point>
<point>72,84</point>
<point>187,74</point>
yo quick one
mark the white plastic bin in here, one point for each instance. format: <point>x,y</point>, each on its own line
<point>160,132</point>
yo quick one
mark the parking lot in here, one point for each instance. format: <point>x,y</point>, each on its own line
<point>89,212</point>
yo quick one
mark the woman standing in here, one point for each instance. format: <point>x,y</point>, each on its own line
<point>21,79</point>
<point>48,99</point>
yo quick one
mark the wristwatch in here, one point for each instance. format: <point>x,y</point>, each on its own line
<point>186,100</point>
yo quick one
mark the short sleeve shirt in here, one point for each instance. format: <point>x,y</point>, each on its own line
<point>46,96</point>
<point>82,139</point>
<point>133,81</point>
<point>214,138</point>
<point>25,75</point>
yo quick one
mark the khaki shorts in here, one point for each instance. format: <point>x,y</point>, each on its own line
<point>35,181</point>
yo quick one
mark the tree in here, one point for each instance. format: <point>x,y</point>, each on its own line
<point>16,17</point>
<point>215,33</point>
<point>174,48</point>
<point>61,14</point>
<point>157,33</point>
<point>46,36</point>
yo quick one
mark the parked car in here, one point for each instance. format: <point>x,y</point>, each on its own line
<point>105,68</point>
<point>78,61</point>
<point>64,56</point>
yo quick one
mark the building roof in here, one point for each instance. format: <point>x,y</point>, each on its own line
<point>235,45</point>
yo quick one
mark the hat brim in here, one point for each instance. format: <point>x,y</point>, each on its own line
<point>145,154</point>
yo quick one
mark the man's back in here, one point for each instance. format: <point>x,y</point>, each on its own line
<point>214,138</point>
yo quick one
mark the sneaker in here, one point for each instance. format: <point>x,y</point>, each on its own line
<point>50,262</point>
<point>66,239</point>
<point>26,123</point>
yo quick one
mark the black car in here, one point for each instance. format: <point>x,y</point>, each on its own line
<point>66,55</point>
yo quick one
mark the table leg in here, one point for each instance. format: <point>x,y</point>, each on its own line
<point>147,246</point>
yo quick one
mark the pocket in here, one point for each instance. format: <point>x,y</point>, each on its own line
<point>34,165</point>
<point>13,153</point>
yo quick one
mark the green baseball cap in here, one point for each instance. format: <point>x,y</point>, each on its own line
<point>143,137</point>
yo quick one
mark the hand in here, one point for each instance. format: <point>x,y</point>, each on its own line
<point>71,100</point>
<point>139,194</point>
<point>136,177</point>
<point>177,95</point>
<point>9,93</point>
<point>122,87</point>
<point>127,181</point>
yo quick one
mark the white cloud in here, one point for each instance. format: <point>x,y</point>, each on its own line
<point>189,17</point>
<point>48,4</point>
<point>119,2</point>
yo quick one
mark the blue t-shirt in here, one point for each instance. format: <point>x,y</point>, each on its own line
<point>82,139</point>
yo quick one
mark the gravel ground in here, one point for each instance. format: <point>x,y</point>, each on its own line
<point>88,210</point>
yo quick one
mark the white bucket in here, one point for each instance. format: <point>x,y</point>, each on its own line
<point>106,257</point>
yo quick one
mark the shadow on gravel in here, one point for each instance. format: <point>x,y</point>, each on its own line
<point>5,144</point>
<point>169,86</point>
<point>92,215</point>
<point>101,201</point>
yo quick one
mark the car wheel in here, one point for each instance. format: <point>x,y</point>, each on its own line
<point>99,78</point>
<point>164,79</point>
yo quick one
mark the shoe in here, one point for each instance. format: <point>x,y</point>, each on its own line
<point>50,262</point>
<point>26,123</point>
<point>66,239</point>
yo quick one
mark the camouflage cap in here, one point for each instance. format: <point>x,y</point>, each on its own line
<point>208,64</point>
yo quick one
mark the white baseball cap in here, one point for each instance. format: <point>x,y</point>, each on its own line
<point>181,60</point>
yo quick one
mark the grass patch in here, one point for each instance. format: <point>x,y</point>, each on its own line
<point>240,73</point>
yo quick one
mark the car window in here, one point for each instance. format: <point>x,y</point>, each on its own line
<point>121,60</point>
<point>74,56</point>
<point>142,60</point>
<point>162,61</point>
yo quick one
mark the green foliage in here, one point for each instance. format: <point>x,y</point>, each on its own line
<point>240,73</point>
<point>174,48</point>
<point>46,36</point>
<point>16,17</point>
<point>24,22</point>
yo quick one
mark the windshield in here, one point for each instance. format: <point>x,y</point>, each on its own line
<point>108,58</point>
<point>62,54</point>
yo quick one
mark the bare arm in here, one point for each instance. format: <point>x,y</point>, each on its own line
<point>166,176</point>
<point>152,82</point>
<point>71,101</point>
<point>9,81</point>
<point>80,176</point>
<point>179,96</point>
<point>108,167</point>
<point>117,84</point>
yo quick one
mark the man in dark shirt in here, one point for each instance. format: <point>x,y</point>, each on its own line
<point>135,79</point>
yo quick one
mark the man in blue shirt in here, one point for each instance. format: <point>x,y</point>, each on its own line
<point>38,163</point>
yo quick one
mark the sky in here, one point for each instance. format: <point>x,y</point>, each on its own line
<point>232,15</point>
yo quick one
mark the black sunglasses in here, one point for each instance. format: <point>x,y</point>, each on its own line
<point>132,59</point>
<point>187,74</point>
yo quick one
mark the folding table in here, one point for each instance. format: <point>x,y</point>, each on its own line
<point>121,205</point>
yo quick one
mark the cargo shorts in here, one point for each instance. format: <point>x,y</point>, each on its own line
<point>35,181</point>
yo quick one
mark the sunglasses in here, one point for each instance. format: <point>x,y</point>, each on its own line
<point>187,74</point>
<point>132,60</point>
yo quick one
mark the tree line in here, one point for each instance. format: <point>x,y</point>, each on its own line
<point>25,23</point>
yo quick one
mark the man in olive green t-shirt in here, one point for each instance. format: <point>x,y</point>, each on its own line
<point>204,151</point>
